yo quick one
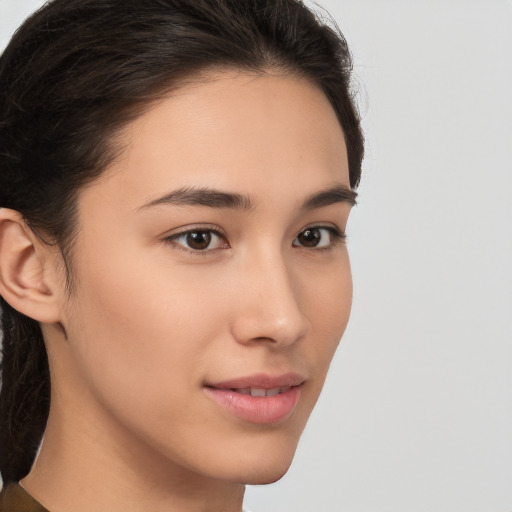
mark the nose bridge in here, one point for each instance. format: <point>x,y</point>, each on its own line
<point>269,306</point>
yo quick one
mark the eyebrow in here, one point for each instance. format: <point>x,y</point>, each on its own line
<point>212,198</point>
<point>335,194</point>
<point>191,196</point>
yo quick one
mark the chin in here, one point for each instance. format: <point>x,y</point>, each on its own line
<point>259,456</point>
<point>266,477</point>
<point>266,467</point>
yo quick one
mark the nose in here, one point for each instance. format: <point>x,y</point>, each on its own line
<point>267,306</point>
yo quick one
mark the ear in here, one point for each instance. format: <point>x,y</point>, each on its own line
<point>29,277</point>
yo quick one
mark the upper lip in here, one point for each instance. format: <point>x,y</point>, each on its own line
<point>260,381</point>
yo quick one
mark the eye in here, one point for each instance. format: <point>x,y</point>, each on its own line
<point>199,240</point>
<point>318,237</point>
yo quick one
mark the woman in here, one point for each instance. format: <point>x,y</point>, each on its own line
<point>175,183</point>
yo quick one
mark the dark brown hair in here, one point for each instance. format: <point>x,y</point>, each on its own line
<point>72,76</point>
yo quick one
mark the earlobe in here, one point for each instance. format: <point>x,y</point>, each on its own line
<point>28,280</point>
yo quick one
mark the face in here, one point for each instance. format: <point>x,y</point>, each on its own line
<point>212,279</point>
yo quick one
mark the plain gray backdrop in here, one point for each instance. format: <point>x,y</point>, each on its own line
<point>416,415</point>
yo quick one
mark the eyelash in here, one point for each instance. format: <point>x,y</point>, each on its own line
<point>336,237</point>
<point>171,240</point>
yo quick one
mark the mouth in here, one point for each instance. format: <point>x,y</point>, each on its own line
<point>261,392</point>
<point>258,399</point>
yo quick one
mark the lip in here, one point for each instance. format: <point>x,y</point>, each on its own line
<point>260,380</point>
<point>233,396</point>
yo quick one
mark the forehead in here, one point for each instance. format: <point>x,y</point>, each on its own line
<point>233,131</point>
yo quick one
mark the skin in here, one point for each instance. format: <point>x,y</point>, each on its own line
<point>149,321</point>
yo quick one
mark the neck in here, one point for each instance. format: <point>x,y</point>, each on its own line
<point>89,462</point>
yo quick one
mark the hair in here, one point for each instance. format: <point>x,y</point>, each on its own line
<point>74,74</point>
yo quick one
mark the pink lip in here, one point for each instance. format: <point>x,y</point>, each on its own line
<point>232,396</point>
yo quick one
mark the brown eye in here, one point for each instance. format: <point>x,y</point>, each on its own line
<point>199,240</point>
<point>318,237</point>
<point>309,237</point>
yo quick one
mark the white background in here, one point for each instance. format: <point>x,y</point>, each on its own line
<point>416,415</point>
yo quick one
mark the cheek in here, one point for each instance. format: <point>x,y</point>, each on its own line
<point>141,331</point>
<point>329,297</point>
<point>329,306</point>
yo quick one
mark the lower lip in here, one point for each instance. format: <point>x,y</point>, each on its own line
<point>262,410</point>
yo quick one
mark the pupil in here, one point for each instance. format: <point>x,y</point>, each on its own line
<point>310,237</point>
<point>199,239</point>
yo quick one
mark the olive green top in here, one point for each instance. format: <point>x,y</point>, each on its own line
<point>14,498</point>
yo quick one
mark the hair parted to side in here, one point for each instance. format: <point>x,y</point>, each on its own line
<point>74,74</point>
